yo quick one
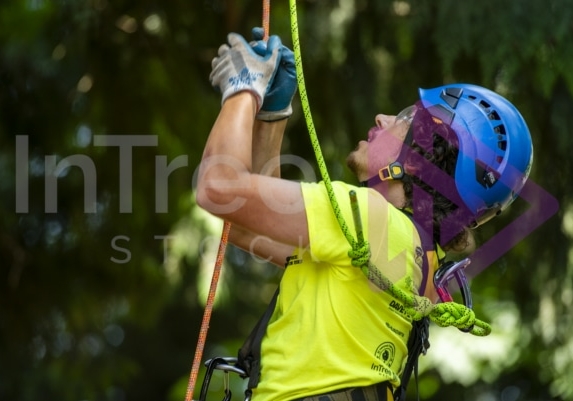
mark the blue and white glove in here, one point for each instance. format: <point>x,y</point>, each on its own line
<point>277,104</point>
<point>239,68</point>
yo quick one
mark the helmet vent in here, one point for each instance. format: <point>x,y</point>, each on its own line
<point>484,104</point>
<point>502,145</point>
<point>500,129</point>
<point>451,96</point>
<point>493,115</point>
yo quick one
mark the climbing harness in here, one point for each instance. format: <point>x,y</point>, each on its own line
<point>418,344</point>
<point>420,309</point>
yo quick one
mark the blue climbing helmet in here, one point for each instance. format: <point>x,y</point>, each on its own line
<point>495,148</point>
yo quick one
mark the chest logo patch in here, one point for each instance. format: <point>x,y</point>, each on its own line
<point>385,353</point>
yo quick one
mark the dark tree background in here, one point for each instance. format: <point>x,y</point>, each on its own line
<point>104,258</point>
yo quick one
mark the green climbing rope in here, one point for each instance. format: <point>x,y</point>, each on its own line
<point>443,314</point>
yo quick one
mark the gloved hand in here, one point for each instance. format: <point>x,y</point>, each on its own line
<point>277,104</point>
<point>239,68</point>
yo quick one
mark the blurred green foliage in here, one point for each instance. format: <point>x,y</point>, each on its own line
<point>107,305</point>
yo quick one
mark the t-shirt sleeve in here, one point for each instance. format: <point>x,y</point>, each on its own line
<point>394,242</point>
<point>327,241</point>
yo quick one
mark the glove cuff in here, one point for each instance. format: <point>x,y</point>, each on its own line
<point>271,116</point>
<point>230,91</point>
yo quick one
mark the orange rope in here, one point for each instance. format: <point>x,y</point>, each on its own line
<point>266,18</point>
<point>207,313</point>
<point>217,269</point>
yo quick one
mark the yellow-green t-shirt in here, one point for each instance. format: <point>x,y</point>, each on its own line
<point>331,328</point>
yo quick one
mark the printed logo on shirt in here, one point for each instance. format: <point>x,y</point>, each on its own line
<point>397,307</point>
<point>385,354</point>
<point>394,330</point>
<point>293,260</point>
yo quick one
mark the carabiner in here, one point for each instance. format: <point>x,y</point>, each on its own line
<point>228,395</point>
<point>226,365</point>
<point>448,271</point>
<point>227,386</point>
<point>442,278</point>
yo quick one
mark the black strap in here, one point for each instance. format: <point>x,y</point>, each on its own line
<point>417,343</point>
<point>378,392</point>
<point>249,357</point>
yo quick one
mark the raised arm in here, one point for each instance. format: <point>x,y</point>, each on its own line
<point>267,141</point>
<point>229,186</point>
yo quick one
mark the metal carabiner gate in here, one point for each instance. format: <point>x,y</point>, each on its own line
<point>226,365</point>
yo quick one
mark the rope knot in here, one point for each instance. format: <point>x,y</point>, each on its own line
<point>458,315</point>
<point>360,254</point>
<point>453,314</point>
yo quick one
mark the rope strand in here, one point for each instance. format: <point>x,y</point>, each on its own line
<point>218,264</point>
<point>266,18</point>
<point>443,314</point>
<point>207,312</point>
<point>310,125</point>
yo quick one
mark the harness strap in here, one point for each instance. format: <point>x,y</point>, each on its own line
<point>249,357</point>
<point>418,342</point>
<point>376,392</point>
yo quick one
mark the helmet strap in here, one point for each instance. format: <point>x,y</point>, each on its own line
<point>395,170</point>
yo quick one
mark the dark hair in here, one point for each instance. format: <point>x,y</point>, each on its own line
<point>430,164</point>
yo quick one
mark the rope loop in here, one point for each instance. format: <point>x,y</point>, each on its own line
<point>360,254</point>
